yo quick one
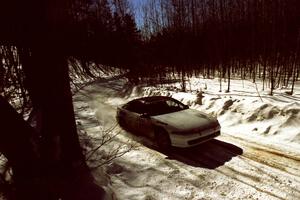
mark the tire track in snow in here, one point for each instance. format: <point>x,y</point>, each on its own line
<point>277,173</point>
<point>283,161</point>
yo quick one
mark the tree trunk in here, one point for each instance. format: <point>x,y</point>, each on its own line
<point>18,142</point>
<point>228,77</point>
<point>48,84</point>
<point>65,172</point>
<point>294,78</point>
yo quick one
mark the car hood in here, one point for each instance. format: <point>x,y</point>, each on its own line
<point>187,120</point>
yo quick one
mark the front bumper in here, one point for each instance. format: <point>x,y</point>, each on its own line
<point>189,140</point>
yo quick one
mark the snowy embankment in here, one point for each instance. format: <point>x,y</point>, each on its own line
<point>246,111</point>
<point>257,155</point>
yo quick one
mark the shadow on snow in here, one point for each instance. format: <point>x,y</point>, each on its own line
<point>210,154</point>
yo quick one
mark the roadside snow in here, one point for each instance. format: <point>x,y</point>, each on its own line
<point>256,157</point>
<point>272,120</point>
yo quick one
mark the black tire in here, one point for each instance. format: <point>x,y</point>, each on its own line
<point>162,139</point>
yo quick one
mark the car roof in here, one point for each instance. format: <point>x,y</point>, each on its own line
<point>152,99</point>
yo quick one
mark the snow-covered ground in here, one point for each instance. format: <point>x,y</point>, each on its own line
<point>257,155</point>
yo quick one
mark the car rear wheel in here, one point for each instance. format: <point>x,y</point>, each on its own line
<point>162,139</point>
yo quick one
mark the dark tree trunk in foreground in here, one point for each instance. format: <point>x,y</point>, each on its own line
<point>63,165</point>
<point>48,83</point>
<point>42,33</point>
<point>18,144</point>
<point>48,163</point>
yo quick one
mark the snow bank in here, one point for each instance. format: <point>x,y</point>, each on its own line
<point>245,111</point>
<point>219,169</point>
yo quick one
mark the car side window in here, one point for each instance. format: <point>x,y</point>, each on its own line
<point>174,105</point>
<point>136,106</point>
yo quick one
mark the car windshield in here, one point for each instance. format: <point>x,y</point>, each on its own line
<point>165,106</point>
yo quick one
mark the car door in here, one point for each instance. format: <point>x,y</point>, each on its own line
<point>145,125</point>
<point>132,121</point>
<point>133,116</point>
<point>145,122</point>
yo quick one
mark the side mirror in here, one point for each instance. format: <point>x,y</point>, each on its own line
<point>145,115</point>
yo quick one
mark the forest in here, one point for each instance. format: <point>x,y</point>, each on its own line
<point>42,42</point>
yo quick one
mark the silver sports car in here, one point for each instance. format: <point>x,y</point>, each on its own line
<point>168,121</point>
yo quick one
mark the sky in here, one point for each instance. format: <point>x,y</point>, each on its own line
<point>138,2</point>
<point>137,5</point>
